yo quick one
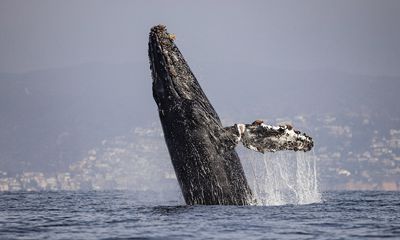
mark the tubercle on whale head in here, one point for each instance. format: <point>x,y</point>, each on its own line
<point>172,77</point>
<point>162,82</point>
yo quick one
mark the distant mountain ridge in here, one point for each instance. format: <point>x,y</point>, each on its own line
<point>51,118</point>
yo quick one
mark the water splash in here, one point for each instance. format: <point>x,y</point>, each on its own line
<point>283,178</point>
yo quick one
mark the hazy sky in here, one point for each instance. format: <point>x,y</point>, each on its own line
<point>360,37</point>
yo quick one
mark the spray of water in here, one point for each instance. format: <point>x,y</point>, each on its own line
<point>283,178</point>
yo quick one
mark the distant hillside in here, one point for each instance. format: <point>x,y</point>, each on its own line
<point>49,119</point>
<point>279,92</point>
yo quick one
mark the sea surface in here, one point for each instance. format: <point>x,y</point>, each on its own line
<point>147,215</point>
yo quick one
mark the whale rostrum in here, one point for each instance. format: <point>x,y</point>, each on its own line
<point>202,151</point>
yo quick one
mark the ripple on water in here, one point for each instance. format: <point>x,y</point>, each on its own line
<point>130,215</point>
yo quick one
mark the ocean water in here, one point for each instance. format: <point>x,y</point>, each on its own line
<point>155,215</point>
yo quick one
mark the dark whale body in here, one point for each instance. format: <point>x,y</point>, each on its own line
<point>201,149</point>
<point>207,167</point>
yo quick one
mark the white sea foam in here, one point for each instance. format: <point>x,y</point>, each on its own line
<point>283,178</point>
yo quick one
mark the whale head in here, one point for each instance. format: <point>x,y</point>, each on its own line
<point>173,81</point>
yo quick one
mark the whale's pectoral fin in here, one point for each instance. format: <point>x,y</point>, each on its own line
<point>263,138</point>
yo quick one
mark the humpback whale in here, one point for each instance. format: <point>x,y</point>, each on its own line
<point>202,151</point>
